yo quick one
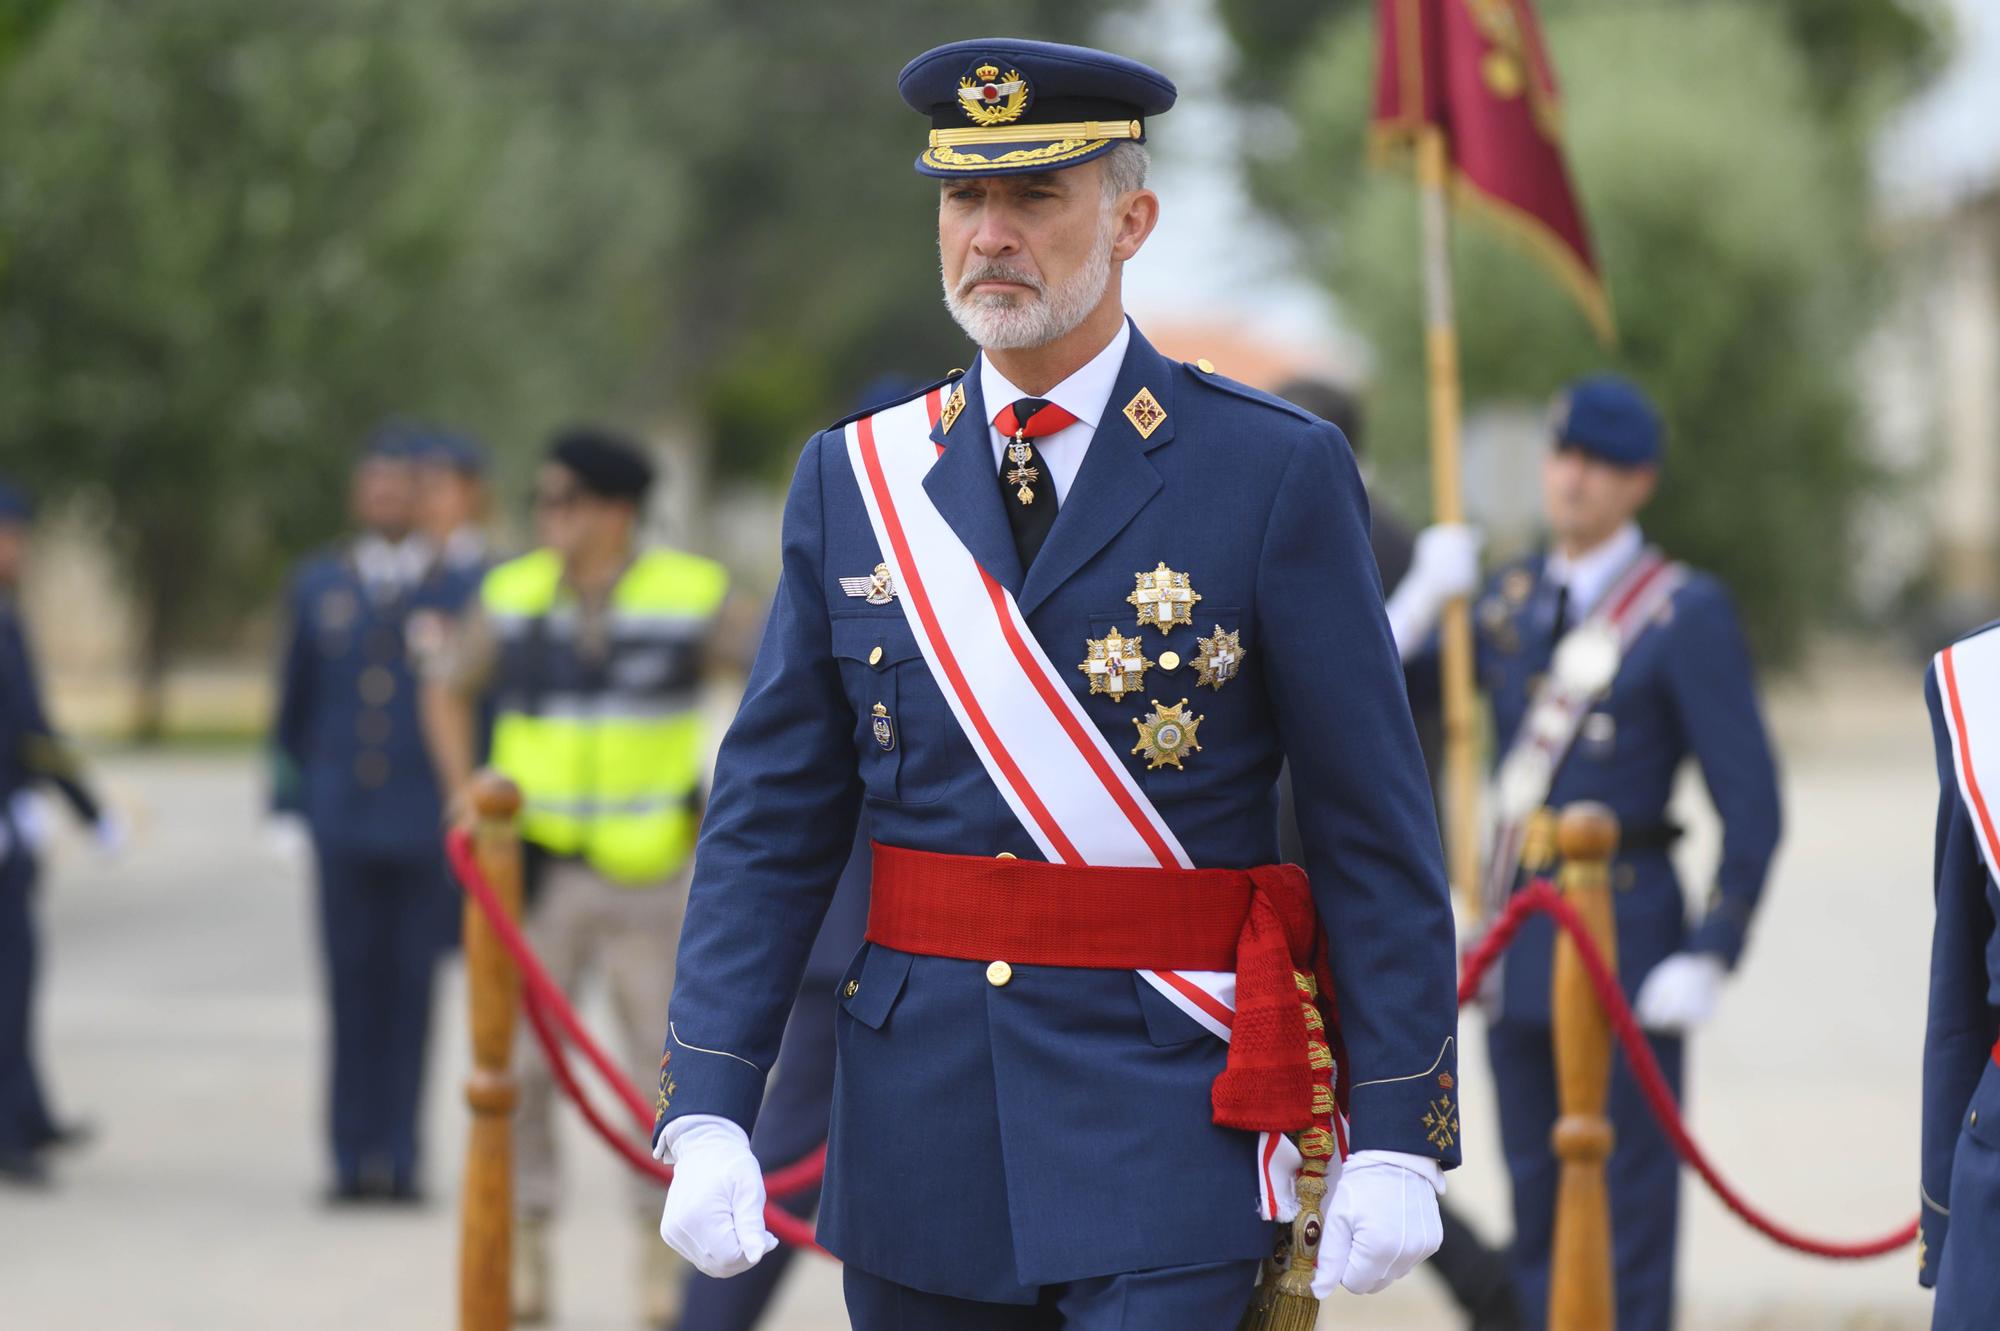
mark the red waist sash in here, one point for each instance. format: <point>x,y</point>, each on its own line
<point>1259,923</point>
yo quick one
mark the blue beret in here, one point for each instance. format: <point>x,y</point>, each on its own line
<point>1609,418</point>
<point>394,440</point>
<point>15,505</point>
<point>1005,106</point>
<point>455,451</point>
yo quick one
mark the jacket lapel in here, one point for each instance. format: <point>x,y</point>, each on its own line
<point>965,487</point>
<point>1115,481</point>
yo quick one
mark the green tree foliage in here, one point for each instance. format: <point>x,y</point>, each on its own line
<point>1729,212</point>
<point>241,232</point>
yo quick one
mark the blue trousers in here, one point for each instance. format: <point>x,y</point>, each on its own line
<point>1174,1298</point>
<point>791,1124</point>
<point>25,1123</point>
<point>1643,1175</point>
<point>384,923</point>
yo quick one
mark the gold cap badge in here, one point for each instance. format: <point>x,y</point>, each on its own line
<point>989,97</point>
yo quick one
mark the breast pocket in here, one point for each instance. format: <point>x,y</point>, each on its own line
<point>887,680</point>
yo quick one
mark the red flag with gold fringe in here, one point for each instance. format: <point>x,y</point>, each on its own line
<point>1478,71</point>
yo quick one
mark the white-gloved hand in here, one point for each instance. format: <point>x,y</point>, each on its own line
<point>1381,1220</point>
<point>1681,993</point>
<point>287,841</point>
<point>110,834</point>
<point>29,813</point>
<point>1444,566</point>
<point>714,1215</point>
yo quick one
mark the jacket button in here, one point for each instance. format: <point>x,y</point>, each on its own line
<point>853,988</point>
<point>1170,660</point>
<point>998,974</point>
<point>875,657</point>
<point>1975,1118</point>
<point>1006,855</point>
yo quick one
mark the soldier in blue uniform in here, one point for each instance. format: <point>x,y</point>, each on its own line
<point>1959,1229</point>
<point>1682,687</point>
<point>349,759</point>
<point>31,755</point>
<point>1021,1140</point>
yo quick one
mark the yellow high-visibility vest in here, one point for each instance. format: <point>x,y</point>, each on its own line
<point>607,746</point>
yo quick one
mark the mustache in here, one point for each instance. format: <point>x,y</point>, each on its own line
<point>999,272</point>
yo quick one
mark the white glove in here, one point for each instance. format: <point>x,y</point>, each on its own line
<point>287,841</point>
<point>110,834</point>
<point>1681,993</point>
<point>715,1209</point>
<point>29,812</point>
<point>1445,566</point>
<point>1381,1220</point>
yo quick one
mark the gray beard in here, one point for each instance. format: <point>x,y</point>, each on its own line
<point>997,322</point>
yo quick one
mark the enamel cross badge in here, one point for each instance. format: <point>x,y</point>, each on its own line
<point>1115,664</point>
<point>1163,598</point>
<point>1218,658</point>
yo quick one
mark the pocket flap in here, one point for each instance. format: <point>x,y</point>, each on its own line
<point>879,641</point>
<point>873,985</point>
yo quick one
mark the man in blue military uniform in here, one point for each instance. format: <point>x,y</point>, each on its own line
<point>31,755</point>
<point>1607,666</point>
<point>1059,621</point>
<point>1959,1230</point>
<point>349,759</point>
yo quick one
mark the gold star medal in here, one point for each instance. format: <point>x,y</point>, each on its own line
<point>1163,598</point>
<point>1218,658</point>
<point>1166,735</point>
<point>1115,664</point>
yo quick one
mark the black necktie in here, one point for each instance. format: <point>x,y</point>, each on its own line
<point>1027,491</point>
<point>1560,624</point>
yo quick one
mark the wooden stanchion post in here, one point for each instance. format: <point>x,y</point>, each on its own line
<point>1582,1286</point>
<point>486,1208</point>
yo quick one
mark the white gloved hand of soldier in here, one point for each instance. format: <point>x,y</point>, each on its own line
<point>714,1215</point>
<point>1681,993</point>
<point>1444,567</point>
<point>1379,1222</point>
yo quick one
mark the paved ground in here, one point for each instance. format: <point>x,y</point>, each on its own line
<point>183,1015</point>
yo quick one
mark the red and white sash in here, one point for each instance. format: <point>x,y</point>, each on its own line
<point>1969,678</point>
<point>1050,762</point>
<point>1582,671</point>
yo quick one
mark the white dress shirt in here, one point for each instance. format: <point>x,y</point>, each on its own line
<point>1085,395</point>
<point>1589,576</point>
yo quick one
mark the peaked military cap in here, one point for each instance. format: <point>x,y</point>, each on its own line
<point>1007,106</point>
<point>1610,418</point>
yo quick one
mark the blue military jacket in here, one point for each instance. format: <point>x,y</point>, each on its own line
<point>1685,688</point>
<point>350,753</point>
<point>30,751</point>
<point>1959,1233</point>
<point>990,1140</point>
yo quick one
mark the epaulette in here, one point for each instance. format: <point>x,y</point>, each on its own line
<point>913,394</point>
<point>1204,373</point>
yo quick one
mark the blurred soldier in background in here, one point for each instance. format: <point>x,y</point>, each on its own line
<point>1960,1182</point>
<point>30,755</point>
<point>1607,666</point>
<point>1476,1275</point>
<point>592,649</point>
<point>349,759</point>
<point>451,503</point>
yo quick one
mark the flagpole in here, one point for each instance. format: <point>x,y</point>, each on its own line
<point>1448,505</point>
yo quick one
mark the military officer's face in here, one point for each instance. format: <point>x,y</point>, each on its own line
<point>1026,259</point>
<point>1587,499</point>
<point>448,499</point>
<point>385,496</point>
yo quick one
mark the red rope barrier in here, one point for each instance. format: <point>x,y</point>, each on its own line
<point>548,1010</point>
<point>1540,897</point>
<point>545,1003</point>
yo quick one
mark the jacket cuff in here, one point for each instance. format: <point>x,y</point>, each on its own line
<point>1932,1222</point>
<point>1416,1115</point>
<point>705,1081</point>
<point>1723,931</point>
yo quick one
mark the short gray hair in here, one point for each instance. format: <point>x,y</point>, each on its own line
<point>1125,168</point>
